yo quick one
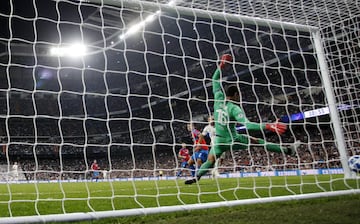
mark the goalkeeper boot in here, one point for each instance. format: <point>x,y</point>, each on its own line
<point>291,151</point>
<point>193,180</point>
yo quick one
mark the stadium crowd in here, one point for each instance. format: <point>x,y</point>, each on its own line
<point>146,150</point>
<point>70,130</point>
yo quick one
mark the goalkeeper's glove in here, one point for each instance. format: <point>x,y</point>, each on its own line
<point>225,60</point>
<point>276,127</point>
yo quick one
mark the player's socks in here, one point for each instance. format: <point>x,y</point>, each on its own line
<point>270,146</point>
<point>205,168</point>
<point>277,148</point>
<point>192,170</point>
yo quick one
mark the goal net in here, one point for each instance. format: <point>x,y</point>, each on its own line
<point>96,96</point>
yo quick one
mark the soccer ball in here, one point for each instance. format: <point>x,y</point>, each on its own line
<point>354,163</point>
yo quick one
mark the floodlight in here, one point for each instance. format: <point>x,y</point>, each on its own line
<point>138,26</point>
<point>172,3</point>
<point>75,50</point>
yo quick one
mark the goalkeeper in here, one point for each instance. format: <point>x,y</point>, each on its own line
<point>227,113</point>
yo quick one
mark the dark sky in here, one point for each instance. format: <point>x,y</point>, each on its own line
<point>160,72</point>
<point>176,52</point>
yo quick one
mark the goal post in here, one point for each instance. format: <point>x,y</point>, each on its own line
<point>165,209</point>
<point>96,97</point>
<point>175,6</point>
<point>332,104</point>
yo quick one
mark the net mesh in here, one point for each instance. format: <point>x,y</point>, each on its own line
<point>83,81</point>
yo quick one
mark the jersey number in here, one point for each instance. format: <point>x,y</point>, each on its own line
<point>222,117</point>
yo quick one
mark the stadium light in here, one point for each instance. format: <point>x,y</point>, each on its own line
<point>172,2</point>
<point>75,50</point>
<point>142,24</point>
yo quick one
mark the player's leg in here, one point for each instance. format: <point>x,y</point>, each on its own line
<point>203,169</point>
<point>291,150</point>
<point>182,167</point>
<point>178,174</point>
<point>191,164</point>
<point>202,157</point>
<point>199,160</point>
<point>192,170</point>
<point>96,175</point>
<point>215,171</point>
<point>242,142</point>
<point>210,161</point>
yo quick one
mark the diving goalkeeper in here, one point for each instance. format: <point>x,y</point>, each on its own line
<point>226,114</point>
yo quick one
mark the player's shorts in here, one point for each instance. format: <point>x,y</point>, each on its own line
<point>195,156</point>
<point>239,142</point>
<point>200,155</point>
<point>203,155</point>
<point>184,164</point>
<point>96,173</point>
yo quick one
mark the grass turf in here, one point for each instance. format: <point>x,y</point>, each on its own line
<point>58,198</point>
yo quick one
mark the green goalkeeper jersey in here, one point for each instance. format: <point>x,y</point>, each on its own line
<point>228,114</point>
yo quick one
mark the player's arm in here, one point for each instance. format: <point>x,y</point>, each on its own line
<point>204,133</point>
<point>240,117</point>
<point>225,60</point>
<point>216,85</point>
<point>198,145</point>
<point>180,156</point>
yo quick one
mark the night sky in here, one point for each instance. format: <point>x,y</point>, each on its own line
<point>172,52</point>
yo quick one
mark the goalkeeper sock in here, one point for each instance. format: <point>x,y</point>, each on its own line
<point>204,168</point>
<point>272,147</point>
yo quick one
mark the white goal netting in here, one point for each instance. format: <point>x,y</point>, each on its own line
<point>119,81</point>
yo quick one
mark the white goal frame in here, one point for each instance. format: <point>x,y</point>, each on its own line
<point>166,209</point>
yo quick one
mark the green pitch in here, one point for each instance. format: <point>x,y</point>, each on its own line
<point>59,198</point>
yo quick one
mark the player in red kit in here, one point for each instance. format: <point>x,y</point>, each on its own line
<point>184,156</point>
<point>201,149</point>
<point>95,170</point>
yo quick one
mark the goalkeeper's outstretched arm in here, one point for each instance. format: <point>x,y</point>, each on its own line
<point>225,60</point>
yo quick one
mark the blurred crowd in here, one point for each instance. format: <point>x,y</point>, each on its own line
<point>55,136</point>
